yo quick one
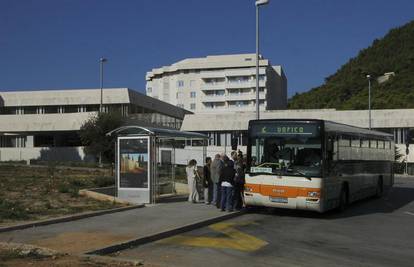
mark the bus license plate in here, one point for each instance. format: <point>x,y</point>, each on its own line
<point>279,199</point>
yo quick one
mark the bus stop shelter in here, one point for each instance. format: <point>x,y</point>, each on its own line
<point>149,161</point>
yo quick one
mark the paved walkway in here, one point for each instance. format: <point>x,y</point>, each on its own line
<point>101,231</point>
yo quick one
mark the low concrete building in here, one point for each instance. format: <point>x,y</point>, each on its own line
<point>222,127</point>
<point>45,123</point>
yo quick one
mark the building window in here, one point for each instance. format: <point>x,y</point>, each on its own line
<point>149,90</point>
<point>180,105</point>
<point>71,109</point>
<point>192,94</point>
<point>180,83</point>
<point>51,109</point>
<point>192,106</point>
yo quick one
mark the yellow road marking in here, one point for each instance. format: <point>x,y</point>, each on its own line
<point>235,239</point>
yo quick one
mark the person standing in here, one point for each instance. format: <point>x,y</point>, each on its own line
<point>239,181</point>
<point>216,168</point>
<point>227,182</point>
<point>207,183</point>
<point>192,176</point>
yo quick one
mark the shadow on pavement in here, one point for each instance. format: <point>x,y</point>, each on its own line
<point>170,199</point>
<point>397,198</point>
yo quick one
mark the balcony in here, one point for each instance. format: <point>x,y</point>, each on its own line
<point>244,84</point>
<point>249,96</point>
<point>213,86</point>
<point>244,72</point>
<point>211,74</point>
<point>213,98</point>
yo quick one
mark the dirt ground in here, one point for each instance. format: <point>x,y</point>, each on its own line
<point>33,193</point>
<point>15,254</point>
<point>74,242</point>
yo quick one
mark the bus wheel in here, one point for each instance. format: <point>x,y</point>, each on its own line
<point>343,199</point>
<point>380,188</point>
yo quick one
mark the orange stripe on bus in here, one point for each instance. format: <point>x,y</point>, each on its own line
<point>281,191</point>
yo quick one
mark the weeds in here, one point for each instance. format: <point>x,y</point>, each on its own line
<point>12,210</point>
<point>103,181</point>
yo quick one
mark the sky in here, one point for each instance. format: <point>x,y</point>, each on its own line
<point>56,44</point>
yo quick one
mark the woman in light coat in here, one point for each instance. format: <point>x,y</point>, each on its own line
<point>192,176</point>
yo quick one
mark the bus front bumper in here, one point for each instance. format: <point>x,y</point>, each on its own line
<point>300,203</point>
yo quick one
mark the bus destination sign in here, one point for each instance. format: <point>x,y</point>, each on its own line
<point>285,129</point>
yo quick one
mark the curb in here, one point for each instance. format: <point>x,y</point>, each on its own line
<point>66,218</point>
<point>161,235</point>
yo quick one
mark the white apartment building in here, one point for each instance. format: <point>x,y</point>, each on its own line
<point>219,83</point>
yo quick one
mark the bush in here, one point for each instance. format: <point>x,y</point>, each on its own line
<point>63,188</point>
<point>103,181</point>
<point>12,210</point>
<point>78,183</point>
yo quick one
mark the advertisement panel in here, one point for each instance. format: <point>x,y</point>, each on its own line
<point>133,163</point>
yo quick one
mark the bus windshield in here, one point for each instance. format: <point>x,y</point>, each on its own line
<point>285,150</point>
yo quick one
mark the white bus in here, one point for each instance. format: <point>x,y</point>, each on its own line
<point>315,165</point>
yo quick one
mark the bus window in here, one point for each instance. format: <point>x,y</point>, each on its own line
<point>356,143</point>
<point>387,145</point>
<point>344,142</point>
<point>365,143</point>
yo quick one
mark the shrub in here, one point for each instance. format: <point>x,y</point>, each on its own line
<point>63,188</point>
<point>12,210</point>
<point>103,181</point>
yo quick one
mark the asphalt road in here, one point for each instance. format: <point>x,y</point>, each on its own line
<point>373,232</point>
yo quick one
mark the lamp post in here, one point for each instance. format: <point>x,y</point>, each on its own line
<point>258,3</point>
<point>369,100</point>
<point>102,60</point>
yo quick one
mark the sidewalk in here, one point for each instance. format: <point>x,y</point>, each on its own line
<point>126,227</point>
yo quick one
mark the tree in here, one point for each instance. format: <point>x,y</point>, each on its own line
<point>93,135</point>
<point>399,165</point>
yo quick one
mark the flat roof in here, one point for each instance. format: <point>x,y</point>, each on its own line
<point>80,97</point>
<point>239,121</point>
<point>210,62</point>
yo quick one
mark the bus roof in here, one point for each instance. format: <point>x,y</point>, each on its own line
<point>331,126</point>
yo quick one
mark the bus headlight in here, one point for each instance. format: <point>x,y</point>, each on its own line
<point>248,189</point>
<point>314,194</point>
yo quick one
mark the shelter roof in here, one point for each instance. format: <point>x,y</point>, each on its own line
<point>135,130</point>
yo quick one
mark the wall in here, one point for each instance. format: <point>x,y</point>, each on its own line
<point>42,153</point>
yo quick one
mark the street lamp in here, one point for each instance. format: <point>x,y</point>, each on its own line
<point>369,100</point>
<point>102,60</point>
<point>258,4</point>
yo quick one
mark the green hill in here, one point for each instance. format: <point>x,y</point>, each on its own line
<point>348,87</point>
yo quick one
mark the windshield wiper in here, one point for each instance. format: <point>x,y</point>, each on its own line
<point>300,173</point>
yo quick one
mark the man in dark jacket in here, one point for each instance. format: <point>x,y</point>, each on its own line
<point>215,170</point>
<point>207,183</point>
<point>227,183</point>
<point>239,181</point>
